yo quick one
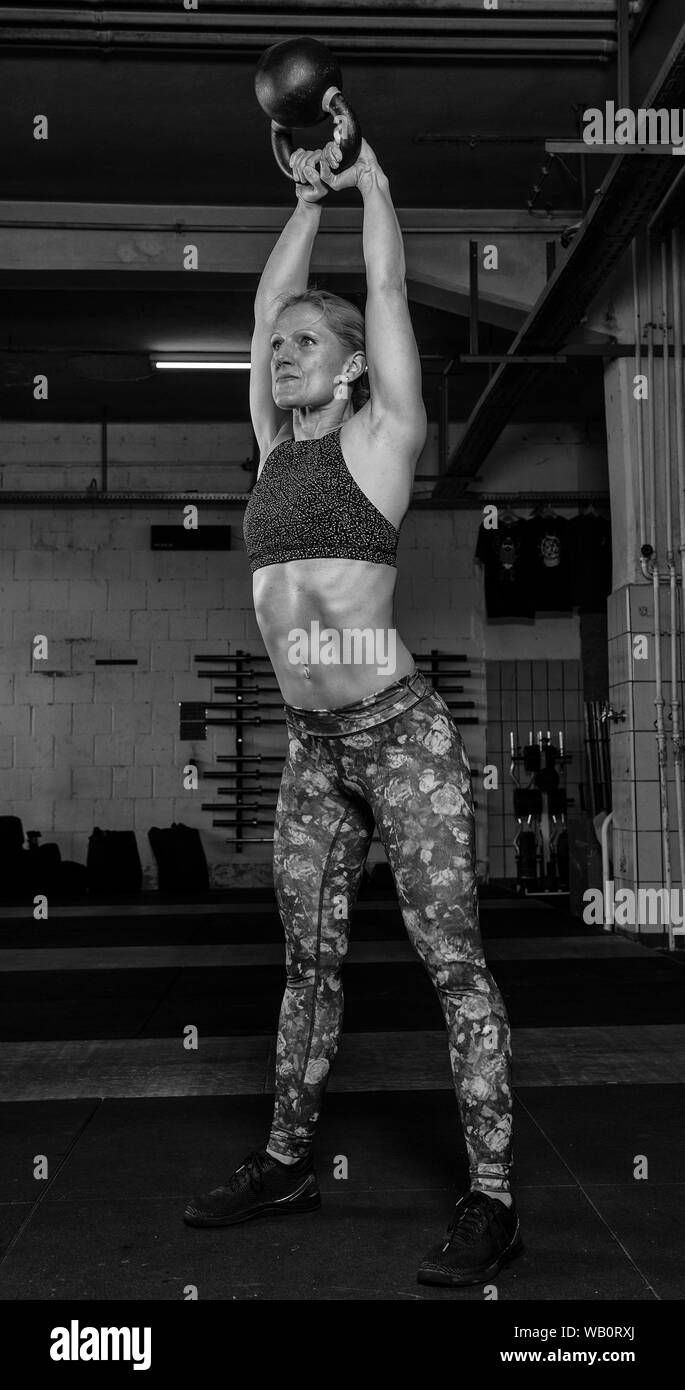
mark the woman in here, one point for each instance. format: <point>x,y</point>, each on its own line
<point>370,741</point>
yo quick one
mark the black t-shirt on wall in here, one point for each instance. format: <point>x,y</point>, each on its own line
<point>547,540</point>
<point>502,551</point>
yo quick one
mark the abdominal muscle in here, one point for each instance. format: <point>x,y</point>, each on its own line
<point>327,625</point>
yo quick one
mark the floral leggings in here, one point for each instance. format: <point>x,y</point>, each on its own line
<point>397,759</point>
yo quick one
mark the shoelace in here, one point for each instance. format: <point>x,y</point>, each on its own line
<point>251,1168</point>
<point>469,1223</point>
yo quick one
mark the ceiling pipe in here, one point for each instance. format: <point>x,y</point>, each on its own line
<point>659,701</point>
<point>590,21</point>
<point>236,16</point>
<point>521,7</point>
<point>359,45</point>
<point>532,31</point>
<point>674,626</point>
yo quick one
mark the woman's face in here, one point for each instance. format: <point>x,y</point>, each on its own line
<point>306,359</point>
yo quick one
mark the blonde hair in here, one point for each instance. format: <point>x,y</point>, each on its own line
<point>347,322</point>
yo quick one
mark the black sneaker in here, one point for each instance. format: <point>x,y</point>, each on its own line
<point>261,1186</point>
<point>482,1236</point>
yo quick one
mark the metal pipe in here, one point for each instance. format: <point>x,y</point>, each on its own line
<point>592,8</point>
<point>457,40</point>
<point>104,457</point>
<point>589,759</point>
<point>642,501</point>
<point>659,702</point>
<point>604,841</point>
<point>465,502</point>
<point>595,20</point>
<point>623,52</point>
<point>676,272</point>
<point>680,414</point>
<point>674,626</point>
<point>473,297</point>
<point>443,417</point>
<point>651,418</point>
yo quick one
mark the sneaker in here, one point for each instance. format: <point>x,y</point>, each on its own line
<point>482,1236</point>
<point>261,1186</point>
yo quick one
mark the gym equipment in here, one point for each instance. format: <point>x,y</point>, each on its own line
<point>557,865</point>
<point>14,879</point>
<point>541,844</point>
<point>180,857</point>
<point>531,757</point>
<point>38,869</point>
<point>113,863</point>
<point>557,802</point>
<point>547,779</point>
<point>527,801</point>
<point>297,83</point>
<point>526,851</point>
<point>562,859</point>
<point>598,760</point>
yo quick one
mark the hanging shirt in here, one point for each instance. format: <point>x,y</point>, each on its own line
<point>590,553</point>
<point>503,553</point>
<point>547,538</point>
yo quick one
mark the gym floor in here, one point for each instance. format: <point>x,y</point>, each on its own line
<point>131,1123</point>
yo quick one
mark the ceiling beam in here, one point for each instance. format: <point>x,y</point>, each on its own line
<point>632,189</point>
<point>244,218</point>
<point>456,301</point>
<point>115,240</point>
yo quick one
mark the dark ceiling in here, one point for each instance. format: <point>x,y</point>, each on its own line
<point>144,111</point>
<point>139,128</point>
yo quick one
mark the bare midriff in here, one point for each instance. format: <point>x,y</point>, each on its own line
<point>327,625</point>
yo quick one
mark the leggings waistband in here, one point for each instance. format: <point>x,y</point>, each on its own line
<point>373,709</point>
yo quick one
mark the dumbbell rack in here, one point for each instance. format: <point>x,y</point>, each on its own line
<point>248,781</point>
<point>544,858</point>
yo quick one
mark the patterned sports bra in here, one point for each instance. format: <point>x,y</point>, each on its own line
<point>306,504</point>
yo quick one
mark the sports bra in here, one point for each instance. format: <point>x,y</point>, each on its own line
<point>305,504</point>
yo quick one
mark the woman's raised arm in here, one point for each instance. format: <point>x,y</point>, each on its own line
<point>286,272</point>
<point>391,352</point>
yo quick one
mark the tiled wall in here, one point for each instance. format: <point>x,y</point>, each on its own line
<point>524,696</point>
<point>637,829</point>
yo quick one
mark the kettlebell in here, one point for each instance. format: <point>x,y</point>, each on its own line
<point>297,83</point>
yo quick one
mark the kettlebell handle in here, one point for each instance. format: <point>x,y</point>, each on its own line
<point>347,134</point>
